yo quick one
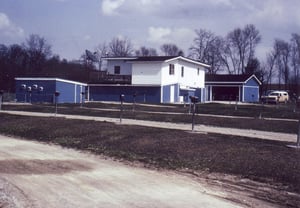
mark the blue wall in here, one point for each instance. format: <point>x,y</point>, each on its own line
<point>251,94</point>
<point>166,93</point>
<point>68,91</point>
<point>147,94</point>
<point>251,91</point>
<point>46,95</point>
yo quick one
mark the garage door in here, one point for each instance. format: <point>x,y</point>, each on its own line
<point>225,93</point>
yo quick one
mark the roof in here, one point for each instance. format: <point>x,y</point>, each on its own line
<point>229,78</point>
<point>49,79</point>
<point>166,59</point>
<point>120,58</point>
<point>153,58</point>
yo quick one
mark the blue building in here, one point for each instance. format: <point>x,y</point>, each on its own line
<point>49,90</point>
<point>243,88</point>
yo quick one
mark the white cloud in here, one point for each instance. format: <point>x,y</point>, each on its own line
<point>7,28</point>
<point>169,35</point>
<point>4,21</point>
<point>159,34</point>
<point>87,37</point>
<point>182,37</point>
<point>129,7</point>
<point>149,2</point>
<point>110,7</point>
<point>218,2</point>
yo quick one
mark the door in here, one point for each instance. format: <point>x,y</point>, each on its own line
<point>172,93</point>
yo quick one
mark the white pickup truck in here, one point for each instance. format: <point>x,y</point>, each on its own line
<point>276,97</point>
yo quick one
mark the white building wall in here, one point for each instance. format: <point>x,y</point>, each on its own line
<point>125,68</point>
<point>166,78</point>
<point>191,77</point>
<point>146,74</point>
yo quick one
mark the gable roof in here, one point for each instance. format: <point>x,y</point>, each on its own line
<point>229,78</point>
<point>166,59</point>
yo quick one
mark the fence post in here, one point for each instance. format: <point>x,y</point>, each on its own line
<point>1,98</point>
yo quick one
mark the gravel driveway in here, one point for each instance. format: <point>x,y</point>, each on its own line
<point>40,175</point>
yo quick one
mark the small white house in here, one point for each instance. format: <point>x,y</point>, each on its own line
<point>157,79</point>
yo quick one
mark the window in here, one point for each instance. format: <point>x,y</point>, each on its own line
<point>198,71</point>
<point>182,71</point>
<point>117,69</point>
<point>171,69</point>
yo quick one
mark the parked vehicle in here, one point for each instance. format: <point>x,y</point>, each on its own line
<point>276,97</point>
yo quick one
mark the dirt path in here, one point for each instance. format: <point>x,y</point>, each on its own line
<point>40,175</point>
<point>180,126</point>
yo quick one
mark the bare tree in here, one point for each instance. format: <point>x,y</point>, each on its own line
<point>282,51</point>
<point>252,38</point>
<point>208,48</point>
<point>38,51</point>
<point>144,51</point>
<point>120,47</point>
<point>253,67</point>
<point>171,50</point>
<point>241,45</point>
<point>295,60</point>
<point>17,58</point>
<point>269,67</point>
<point>102,51</point>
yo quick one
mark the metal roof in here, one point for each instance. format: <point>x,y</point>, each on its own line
<point>49,79</point>
<point>166,59</point>
<point>229,78</point>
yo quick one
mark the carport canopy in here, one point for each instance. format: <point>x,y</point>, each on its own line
<point>223,87</point>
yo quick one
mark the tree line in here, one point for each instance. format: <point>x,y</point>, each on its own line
<point>34,58</point>
<point>231,54</point>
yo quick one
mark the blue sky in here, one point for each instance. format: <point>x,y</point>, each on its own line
<point>71,26</point>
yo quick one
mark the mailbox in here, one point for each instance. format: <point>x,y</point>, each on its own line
<point>194,99</point>
<point>56,94</point>
<point>122,97</point>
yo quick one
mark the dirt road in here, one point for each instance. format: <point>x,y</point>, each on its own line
<point>40,175</point>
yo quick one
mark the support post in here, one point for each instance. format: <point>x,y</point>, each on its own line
<point>298,136</point>
<point>1,98</point>
<point>194,100</point>
<point>82,99</point>
<point>134,102</point>
<point>56,94</point>
<point>193,117</point>
<point>122,96</point>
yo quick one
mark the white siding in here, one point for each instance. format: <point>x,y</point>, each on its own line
<point>191,77</point>
<point>144,73</point>
<point>168,79</point>
<point>125,67</point>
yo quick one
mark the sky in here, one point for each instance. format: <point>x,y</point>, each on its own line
<point>72,26</point>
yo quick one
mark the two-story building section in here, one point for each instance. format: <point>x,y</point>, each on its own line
<point>156,79</point>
